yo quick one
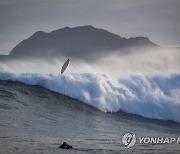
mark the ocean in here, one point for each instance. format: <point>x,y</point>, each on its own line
<point>38,112</point>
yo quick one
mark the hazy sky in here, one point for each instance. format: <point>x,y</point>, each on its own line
<point>157,19</point>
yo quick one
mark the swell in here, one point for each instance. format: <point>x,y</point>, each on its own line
<point>155,97</point>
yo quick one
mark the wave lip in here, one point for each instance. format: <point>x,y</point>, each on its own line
<point>155,97</point>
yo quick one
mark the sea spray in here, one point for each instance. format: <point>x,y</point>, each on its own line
<point>155,97</point>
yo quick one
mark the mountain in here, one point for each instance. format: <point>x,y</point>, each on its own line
<point>82,41</point>
<point>3,57</point>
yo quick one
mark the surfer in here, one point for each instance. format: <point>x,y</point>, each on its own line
<point>65,146</point>
<point>64,67</point>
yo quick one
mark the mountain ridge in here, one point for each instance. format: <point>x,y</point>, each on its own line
<point>74,42</point>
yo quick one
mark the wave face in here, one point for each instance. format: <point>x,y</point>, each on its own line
<point>155,97</point>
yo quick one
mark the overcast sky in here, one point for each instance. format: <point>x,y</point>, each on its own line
<point>157,19</point>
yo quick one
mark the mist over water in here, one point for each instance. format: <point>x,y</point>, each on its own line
<point>145,81</point>
<point>120,63</point>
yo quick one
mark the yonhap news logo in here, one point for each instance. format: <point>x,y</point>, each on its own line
<point>130,139</point>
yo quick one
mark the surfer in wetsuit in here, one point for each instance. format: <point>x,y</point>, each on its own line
<point>65,146</point>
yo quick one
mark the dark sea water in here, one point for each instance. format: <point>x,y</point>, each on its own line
<point>36,120</point>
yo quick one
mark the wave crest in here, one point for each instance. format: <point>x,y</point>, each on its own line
<point>152,97</point>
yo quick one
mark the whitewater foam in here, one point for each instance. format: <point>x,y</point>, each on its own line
<point>152,97</point>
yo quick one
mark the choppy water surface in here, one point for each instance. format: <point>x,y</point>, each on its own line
<point>36,120</point>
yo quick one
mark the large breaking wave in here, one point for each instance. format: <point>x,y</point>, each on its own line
<point>153,97</point>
